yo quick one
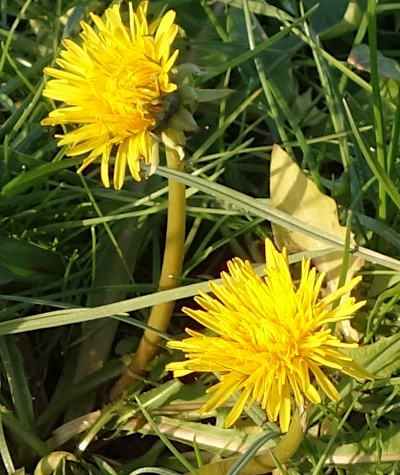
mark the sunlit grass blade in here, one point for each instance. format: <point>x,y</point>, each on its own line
<point>164,439</point>
<point>262,209</point>
<point>376,168</point>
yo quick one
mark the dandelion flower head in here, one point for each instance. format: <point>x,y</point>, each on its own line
<point>271,339</point>
<point>113,85</point>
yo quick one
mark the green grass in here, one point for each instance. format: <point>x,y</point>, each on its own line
<point>79,263</point>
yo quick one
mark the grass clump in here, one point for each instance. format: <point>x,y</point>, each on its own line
<point>80,264</point>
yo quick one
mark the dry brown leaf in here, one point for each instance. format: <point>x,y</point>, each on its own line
<point>296,194</point>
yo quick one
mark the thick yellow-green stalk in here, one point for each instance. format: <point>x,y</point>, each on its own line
<point>265,463</point>
<point>169,278</point>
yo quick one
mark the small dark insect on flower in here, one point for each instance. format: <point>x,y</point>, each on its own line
<point>170,103</point>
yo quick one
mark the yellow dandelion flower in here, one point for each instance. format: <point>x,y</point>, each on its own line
<point>114,85</point>
<point>271,338</point>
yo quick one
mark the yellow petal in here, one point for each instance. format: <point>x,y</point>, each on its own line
<point>237,409</point>
<point>284,413</point>
<point>110,85</point>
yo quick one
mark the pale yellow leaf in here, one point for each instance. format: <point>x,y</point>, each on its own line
<point>48,464</point>
<point>296,194</point>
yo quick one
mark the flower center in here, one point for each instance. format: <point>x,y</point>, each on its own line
<point>128,95</point>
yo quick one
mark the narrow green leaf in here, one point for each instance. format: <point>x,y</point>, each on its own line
<point>373,163</point>
<point>13,365</point>
<point>359,57</point>
<point>24,180</point>
<point>262,209</point>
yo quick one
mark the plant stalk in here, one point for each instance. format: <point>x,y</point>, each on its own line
<point>171,270</point>
<point>267,461</point>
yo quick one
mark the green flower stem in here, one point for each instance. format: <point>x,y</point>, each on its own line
<point>265,462</point>
<point>169,279</point>
<point>377,104</point>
